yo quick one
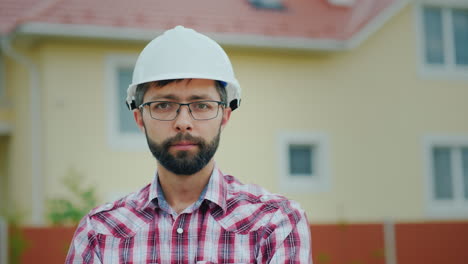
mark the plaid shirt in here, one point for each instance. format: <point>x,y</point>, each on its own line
<point>230,223</point>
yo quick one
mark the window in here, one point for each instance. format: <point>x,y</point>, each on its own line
<point>123,133</point>
<point>447,176</point>
<point>303,160</point>
<point>268,4</point>
<point>444,39</point>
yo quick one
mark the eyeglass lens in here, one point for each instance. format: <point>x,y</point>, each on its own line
<point>202,110</point>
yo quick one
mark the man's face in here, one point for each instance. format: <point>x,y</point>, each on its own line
<point>183,146</point>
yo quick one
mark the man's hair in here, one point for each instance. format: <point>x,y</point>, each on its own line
<point>143,87</point>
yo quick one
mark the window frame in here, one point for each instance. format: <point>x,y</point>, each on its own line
<point>445,209</point>
<point>448,70</point>
<point>118,140</point>
<point>321,179</point>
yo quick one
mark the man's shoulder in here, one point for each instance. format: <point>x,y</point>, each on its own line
<point>128,212</point>
<point>131,200</point>
<point>255,194</point>
<point>254,206</point>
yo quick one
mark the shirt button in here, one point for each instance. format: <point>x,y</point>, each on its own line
<point>180,230</point>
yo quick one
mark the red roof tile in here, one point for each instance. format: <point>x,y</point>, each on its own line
<point>315,19</point>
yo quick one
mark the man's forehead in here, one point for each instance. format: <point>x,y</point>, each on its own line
<point>187,89</point>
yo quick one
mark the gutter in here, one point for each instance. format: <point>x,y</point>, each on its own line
<point>37,191</point>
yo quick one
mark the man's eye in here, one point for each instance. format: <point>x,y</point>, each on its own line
<point>162,106</point>
<point>202,106</point>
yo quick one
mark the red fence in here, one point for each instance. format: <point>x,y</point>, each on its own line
<point>348,244</point>
<point>432,243</point>
<point>415,243</point>
<point>424,243</point>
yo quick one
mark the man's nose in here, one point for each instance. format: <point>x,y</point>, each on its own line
<point>183,121</point>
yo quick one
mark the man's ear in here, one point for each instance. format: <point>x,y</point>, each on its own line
<point>138,116</point>
<point>226,116</point>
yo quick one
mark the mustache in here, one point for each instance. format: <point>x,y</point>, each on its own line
<point>182,137</point>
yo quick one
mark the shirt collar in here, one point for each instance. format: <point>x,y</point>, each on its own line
<point>215,191</point>
<point>152,194</point>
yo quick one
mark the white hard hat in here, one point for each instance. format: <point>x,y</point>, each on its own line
<point>182,53</point>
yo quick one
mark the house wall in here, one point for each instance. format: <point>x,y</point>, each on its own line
<point>375,108</point>
<point>3,172</point>
<point>5,128</point>
<point>77,119</point>
<point>360,99</point>
<point>5,118</point>
<point>19,180</point>
<point>5,125</point>
<point>370,101</point>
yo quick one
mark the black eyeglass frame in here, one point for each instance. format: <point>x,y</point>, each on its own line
<point>141,107</point>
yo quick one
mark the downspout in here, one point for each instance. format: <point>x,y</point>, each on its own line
<point>37,193</point>
<point>3,241</point>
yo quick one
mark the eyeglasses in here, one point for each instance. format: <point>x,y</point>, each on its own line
<point>168,111</point>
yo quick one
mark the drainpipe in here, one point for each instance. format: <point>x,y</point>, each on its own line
<point>390,242</point>
<point>3,241</point>
<point>37,194</point>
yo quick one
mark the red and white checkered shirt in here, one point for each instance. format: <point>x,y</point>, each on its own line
<point>230,223</point>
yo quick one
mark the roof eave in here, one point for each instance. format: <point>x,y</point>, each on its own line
<point>376,23</point>
<point>41,29</point>
<point>229,39</point>
<point>145,35</point>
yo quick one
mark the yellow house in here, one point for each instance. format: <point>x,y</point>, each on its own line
<point>356,109</point>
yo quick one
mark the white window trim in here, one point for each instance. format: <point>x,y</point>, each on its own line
<point>436,208</point>
<point>116,139</point>
<point>448,70</point>
<point>296,184</point>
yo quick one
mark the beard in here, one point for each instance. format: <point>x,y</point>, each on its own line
<point>184,162</point>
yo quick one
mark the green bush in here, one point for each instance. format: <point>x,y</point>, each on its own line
<point>69,210</point>
<point>17,243</point>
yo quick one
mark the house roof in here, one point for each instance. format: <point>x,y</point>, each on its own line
<point>304,20</point>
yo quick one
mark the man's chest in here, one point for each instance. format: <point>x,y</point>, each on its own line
<point>186,239</point>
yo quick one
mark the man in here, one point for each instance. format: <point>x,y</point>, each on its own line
<point>182,96</point>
